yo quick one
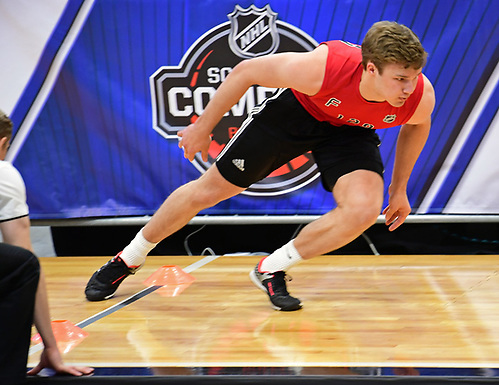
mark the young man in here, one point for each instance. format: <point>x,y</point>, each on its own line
<point>23,295</point>
<point>329,102</point>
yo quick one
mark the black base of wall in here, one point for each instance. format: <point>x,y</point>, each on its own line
<point>458,238</point>
<point>257,380</point>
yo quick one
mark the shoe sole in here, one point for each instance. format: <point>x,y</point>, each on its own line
<point>256,281</point>
<point>97,299</point>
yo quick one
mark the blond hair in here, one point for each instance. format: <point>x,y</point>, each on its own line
<point>388,42</point>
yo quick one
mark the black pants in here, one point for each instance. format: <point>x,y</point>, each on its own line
<point>19,275</point>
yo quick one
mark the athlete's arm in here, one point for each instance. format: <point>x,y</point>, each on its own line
<point>411,140</point>
<point>302,71</point>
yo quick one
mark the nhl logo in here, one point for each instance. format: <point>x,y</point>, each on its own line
<point>180,93</point>
<point>253,31</point>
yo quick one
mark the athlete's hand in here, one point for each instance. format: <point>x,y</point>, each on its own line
<point>193,140</point>
<point>397,210</point>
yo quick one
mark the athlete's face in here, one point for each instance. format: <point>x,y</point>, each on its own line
<point>396,83</point>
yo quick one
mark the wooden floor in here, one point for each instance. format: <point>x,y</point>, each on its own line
<point>359,311</point>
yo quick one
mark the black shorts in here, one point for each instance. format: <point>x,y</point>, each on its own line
<point>280,129</point>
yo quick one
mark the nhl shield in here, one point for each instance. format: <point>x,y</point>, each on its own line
<point>253,31</point>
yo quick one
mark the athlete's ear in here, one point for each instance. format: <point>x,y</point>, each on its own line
<point>371,68</point>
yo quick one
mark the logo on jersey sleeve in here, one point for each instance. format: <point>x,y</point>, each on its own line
<point>180,93</point>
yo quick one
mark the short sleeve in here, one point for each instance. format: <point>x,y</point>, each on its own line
<point>12,193</point>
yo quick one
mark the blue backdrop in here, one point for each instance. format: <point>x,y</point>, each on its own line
<point>87,140</point>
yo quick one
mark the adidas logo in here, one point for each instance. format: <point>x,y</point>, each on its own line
<point>239,163</point>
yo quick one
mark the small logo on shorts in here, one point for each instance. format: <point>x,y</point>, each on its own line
<point>239,163</point>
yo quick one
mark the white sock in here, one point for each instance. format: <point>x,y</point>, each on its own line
<point>134,255</point>
<point>281,259</point>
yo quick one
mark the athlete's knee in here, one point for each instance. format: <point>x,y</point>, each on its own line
<point>204,197</point>
<point>208,191</point>
<point>197,194</point>
<point>364,211</point>
<point>216,188</point>
<point>369,214</point>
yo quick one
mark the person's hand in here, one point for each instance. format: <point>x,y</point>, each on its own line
<point>51,359</point>
<point>397,210</point>
<point>193,140</point>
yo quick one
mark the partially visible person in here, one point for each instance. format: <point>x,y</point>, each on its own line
<point>23,294</point>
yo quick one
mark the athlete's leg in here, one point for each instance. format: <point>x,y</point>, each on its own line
<point>188,200</point>
<point>359,197</point>
<point>175,212</point>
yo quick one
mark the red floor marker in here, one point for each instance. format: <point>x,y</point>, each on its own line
<point>173,279</point>
<point>66,334</point>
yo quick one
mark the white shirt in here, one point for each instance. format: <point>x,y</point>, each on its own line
<point>12,193</point>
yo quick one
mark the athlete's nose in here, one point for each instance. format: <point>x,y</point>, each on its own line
<point>409,87</point>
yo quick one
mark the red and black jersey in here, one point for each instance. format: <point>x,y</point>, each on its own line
<point>339,101</point>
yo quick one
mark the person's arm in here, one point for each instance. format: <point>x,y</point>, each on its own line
<point>17,232</point>
<point>302,71</point>
<point>51,356</point>
<point>411,140</point>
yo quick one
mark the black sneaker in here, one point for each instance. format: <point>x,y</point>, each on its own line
<point>274,284</point>
<point>104,282</point>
